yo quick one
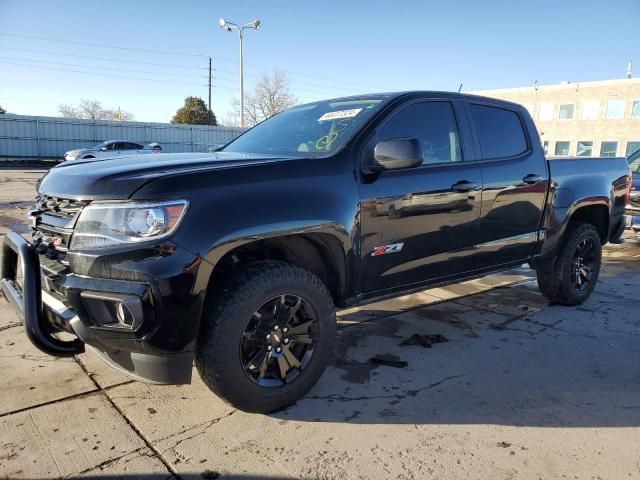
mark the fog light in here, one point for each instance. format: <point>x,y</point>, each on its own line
<point>113,310</point>
<point>124,315</point>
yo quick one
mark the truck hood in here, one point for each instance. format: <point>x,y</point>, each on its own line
<point>118,178</point>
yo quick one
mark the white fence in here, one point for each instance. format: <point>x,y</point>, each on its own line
<point>51,137</point>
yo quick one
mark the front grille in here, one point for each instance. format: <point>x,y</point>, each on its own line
<point>52,221</point>
<point>59,207</point>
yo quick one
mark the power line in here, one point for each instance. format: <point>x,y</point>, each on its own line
<point>322,94</point>
<point>163,52</point>
<point>102,74</point>
<point>217,85</point>
<point>328,87</point>
<point>119,60</point>
<point>101,67</point>
<point>146,50</point>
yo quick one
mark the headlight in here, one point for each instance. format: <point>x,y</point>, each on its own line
<point>109,224</point>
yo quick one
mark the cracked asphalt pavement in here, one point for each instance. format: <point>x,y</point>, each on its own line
<point>519,389</point>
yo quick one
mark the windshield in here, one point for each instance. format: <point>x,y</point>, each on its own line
<point>314,129</point>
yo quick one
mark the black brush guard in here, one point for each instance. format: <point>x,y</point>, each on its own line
<point>27,299</point>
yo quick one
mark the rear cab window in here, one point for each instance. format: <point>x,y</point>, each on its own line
<point>500,131</point>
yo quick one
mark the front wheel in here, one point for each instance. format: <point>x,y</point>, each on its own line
<point>266,336</point>
<point>570,277</point>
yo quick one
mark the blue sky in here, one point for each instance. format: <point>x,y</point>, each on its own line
<point>328,49</point>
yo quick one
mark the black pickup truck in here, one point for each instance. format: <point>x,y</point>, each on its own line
<point>238,258</point>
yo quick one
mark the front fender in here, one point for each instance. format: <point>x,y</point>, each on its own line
<point>232,207</point>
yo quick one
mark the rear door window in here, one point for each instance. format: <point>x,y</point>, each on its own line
<point>500,130</point>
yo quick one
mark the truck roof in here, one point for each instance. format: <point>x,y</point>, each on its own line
<point>435,93</point>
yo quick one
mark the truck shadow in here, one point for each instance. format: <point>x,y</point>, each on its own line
<point>509,358</point>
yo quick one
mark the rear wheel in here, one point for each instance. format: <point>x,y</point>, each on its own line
<point>570,277</point>
<point>266,337</point>
<point>616,236</point>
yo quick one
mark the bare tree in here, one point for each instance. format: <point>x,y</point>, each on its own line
<point>271,95</point>
<point>93,110</point>
<point>68,111</point>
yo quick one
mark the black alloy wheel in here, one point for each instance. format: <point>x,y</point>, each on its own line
<point>583,264</point>
<point>278,341</point>
<point>266,335</point>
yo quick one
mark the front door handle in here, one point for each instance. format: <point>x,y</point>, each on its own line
<point>464,186</point>
<point>532,179</point>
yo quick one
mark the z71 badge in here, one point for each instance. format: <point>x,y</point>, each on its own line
<point>384,249</point>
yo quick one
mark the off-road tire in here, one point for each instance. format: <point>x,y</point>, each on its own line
<point>554,275</point>
<point>616,236</point>
<point>228,309</point>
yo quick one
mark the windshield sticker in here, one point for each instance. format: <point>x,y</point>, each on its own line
<point>340,114</point>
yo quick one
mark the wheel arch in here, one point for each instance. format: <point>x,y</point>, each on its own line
<point>593,210</point>
<point>597,214</point>
<point>323,253</point>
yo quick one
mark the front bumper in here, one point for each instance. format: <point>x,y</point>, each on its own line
<point>146,353</point>
<point>27,300</point>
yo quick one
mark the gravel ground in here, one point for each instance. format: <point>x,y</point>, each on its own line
<point>510,388</point>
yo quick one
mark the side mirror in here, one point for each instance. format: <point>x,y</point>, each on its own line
<point>396,154</point>
<point>104,149</point>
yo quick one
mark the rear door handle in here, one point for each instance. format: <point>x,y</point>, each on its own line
<point>464,186</point>
<point>532,179</point>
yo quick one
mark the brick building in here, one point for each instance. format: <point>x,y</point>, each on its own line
<point>584,118</point>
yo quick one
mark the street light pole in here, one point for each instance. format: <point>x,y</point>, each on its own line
<point>241,81</point>
<point>229,26</point>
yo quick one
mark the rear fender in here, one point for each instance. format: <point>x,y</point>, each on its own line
<point>565,208</point>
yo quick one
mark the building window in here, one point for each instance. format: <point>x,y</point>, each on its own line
<point>545,111</point>
<point>615,109</point>
<point>545,147</point>
<point>635,109</point>
<point>608,149</point>
<point>584,149</point>
<point>590,110</point>
<point>566,110</point>
<point>562,149</point>
<point>632,147</point>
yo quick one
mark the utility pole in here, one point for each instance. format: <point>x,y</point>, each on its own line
<point>210,109</point>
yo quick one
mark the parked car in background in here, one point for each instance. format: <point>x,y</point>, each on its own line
<point>632,212</point>
<point>112,148</point>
